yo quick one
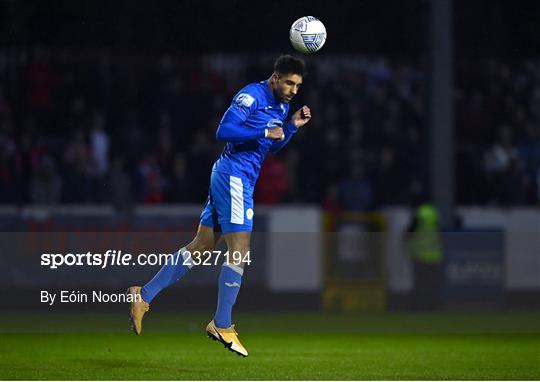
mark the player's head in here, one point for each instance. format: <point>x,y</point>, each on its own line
<point>289,72</point>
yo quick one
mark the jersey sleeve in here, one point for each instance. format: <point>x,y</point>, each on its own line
<point>244,103</point>
<point>232,127</point>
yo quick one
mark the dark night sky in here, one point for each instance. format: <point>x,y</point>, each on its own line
<point>391,27</point>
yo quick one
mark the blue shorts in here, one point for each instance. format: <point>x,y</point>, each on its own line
<point>229,203</point>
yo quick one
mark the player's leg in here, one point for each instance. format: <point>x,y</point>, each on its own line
<point>230,277</point>
<point>230,280</point>
<point>233,197</point>
<point>180,264</point>
<point>172,271</point>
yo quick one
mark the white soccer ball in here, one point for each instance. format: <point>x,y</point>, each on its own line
<point>307,34</point>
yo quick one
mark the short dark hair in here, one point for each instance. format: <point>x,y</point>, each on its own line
<point>287,64</point>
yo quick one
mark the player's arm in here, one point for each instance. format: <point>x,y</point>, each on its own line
<point>232,127</point>
<point>299,119</point>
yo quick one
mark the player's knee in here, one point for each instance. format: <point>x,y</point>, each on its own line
<point>243,249</point>
<point>202,244</point>
<point>206,246</point>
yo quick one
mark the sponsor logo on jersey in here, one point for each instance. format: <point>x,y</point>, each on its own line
<point>274,123</point>
<point>244,99</point>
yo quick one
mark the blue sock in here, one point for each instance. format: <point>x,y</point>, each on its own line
<point>230,279</point>
<point>170,272</point>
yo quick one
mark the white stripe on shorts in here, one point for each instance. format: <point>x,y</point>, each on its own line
<point>237,200</point>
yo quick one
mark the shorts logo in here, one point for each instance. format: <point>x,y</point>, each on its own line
<point>244,99</point>
<point>249,213</point>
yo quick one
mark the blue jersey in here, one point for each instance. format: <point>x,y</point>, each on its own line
<point>252,110</point>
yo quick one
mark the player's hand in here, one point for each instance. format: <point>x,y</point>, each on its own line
<point>276,133</point>
<point>301,117</point>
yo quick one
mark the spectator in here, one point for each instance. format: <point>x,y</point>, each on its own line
<point>377,114</point>
<point>273,183</point>
<point>46,184</point>
<point>119,187</point>
<point>178,188</point>
<point>151,180</point>
<point>99,145</point>
<point>331,203</point>
<point>356,192</point>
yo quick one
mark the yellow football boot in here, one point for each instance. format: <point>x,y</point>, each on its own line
<point>227,336</point>
<point>137,309</point>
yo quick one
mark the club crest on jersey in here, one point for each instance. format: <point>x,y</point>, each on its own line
<point>274,123</point>
<point>244,99</point>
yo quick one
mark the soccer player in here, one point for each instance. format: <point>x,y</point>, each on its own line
<point>254,124</point>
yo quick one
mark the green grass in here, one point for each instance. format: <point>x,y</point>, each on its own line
<point>282,346</point>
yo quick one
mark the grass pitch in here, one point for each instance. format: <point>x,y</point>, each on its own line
<point>281,346</point>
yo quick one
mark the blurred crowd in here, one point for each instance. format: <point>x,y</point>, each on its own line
<point>99,126</point>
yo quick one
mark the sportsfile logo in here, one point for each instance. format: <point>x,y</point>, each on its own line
<point>103,260</point>
<point>118,258</point>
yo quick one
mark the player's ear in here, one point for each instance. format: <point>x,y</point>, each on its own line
<point>274,78</point>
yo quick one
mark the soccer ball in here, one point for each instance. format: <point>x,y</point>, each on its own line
<point>307,34</point>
